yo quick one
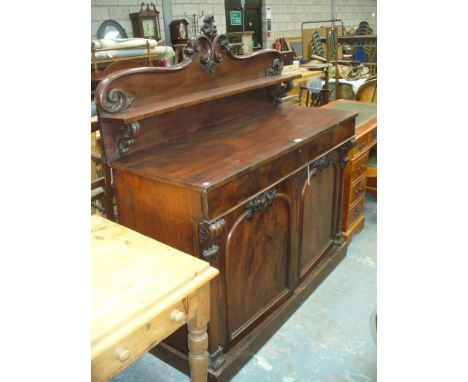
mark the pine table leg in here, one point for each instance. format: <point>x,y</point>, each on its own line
<point>198,352</point>
<point>198,337</point>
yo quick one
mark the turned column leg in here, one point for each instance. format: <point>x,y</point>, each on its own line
<point>198,351</point>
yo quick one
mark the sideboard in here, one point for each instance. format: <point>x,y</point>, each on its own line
<point>208,159</point>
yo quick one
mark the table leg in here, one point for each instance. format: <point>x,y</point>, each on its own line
<point>198,354</point>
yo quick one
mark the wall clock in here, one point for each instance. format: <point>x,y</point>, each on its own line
<point>179,31</point>
<point>146,22</point>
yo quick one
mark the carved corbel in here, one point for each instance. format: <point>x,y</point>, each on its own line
<point>344,149</point>
<point>259,203</point>
<point>130,133</point>
<point>207,235</point>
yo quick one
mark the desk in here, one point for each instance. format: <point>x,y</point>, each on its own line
<point>142,291</point>
<point>355,176</point>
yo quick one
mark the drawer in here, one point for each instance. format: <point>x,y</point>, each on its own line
<point>113,354</point>
<point>359,166</point>
<point>360,146</point>
<point>356,211</point>
<point>358,189</point>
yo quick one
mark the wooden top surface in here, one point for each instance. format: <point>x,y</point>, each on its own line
<point>214,155</point>
<point>305,74</point>
<point>367,113</point>
<point>134,278</point>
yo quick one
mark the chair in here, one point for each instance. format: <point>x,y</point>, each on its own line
<point>368,93</point>
<point>101,187</point>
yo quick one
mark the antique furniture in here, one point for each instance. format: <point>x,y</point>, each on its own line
<point>179,31</point>
<point>243,40</point>
<point>221,169</point>
<point>101,181</point>
<point>368,93</point>
<point>146,22</point>
<point>300,84</point>
<point>179,37</point>
<point>142,291</point>
<point>111,29</point>
<point>355,173</point>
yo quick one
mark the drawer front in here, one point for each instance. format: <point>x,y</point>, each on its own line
<point>359,167</point>
<point>355,212</point>
<point>238,189</point>
<point>360,146</point>
<point>358,189</point>
<point>124,351</point>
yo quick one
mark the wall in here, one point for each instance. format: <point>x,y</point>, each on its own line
<point>181,8</point>
<point>287,16</point>
<point>119,11</point>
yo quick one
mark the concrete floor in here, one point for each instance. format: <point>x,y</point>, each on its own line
<point>328,339</point>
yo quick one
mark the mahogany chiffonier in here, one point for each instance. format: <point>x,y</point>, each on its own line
<point>355,179</point>
<point>207,159</point>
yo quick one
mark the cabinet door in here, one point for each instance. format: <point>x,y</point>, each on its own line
<point>256,261</point>
<point>318,209</point>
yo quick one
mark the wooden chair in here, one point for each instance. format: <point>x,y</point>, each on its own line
<point>101,187</point>
<point>368,93</point>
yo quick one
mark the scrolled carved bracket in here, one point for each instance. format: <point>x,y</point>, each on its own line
<point>207,235</point>
<point>259,203</point>
<point>131,132</point>
<point>344,149</point>
<point>216,360</point>
<point>275,69</point>
<point>116,100</point>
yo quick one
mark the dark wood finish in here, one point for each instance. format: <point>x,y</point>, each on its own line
<point>225,171</point>
<point>145,16</point>
<point>355,178</point>
<point>179,31</point>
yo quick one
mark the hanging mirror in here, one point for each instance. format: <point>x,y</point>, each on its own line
<point>111,29</point>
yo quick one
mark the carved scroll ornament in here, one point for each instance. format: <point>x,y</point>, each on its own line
<point>276,68</point>
<point>207,235</point>
<point>322,162</point>
<point>259,203</point>
<point>210,43</point>
<point>131,132</point>
<point>116,100</point>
